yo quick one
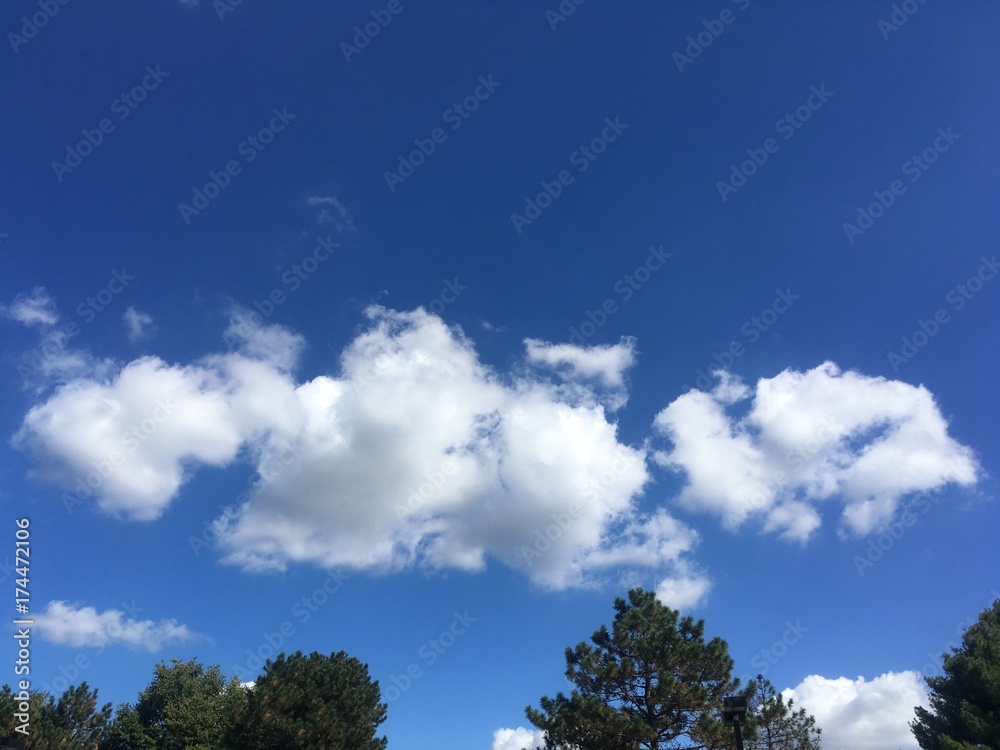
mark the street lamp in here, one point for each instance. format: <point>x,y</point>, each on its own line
<point>734,711</point>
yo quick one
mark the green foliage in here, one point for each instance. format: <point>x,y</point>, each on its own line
<point>126,732</point>
<point>71,723</point>
<point>315,702</point>
<point>652,682</point>
<point>776,725</point>
<point>185,707</point>
<point>965,700</point>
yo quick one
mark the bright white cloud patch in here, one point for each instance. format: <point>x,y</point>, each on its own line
<point>687,589</point>
<point>84,627</point>
<point>414,454</point>
<point>518,739</point>
<point>808,437</point>
<point>606,363</point>
<point>860,715</point>
<point>33,308</point>
<point>138,325</point>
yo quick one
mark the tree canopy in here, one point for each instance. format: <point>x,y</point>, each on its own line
<point>315,702</point>
<point>653,681</point>
<point>775,724</point>
<point>71,722</point>
<point>299,701</point>
<point>964,709</point>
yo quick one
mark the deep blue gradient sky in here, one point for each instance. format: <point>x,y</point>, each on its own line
<point>444,239</point>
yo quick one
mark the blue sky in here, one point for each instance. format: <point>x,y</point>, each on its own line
<point>273,274</point>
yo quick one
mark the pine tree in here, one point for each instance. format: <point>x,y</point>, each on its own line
<point>315,702</point>
<point>652,682</point>
<point>965,700</point>
<point>775,724</point>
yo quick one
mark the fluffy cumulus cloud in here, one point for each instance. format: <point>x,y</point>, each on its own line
<point>808,437</point>
<point>863,715</point>
<point>128,439</point>
<point>68,624</point>
<point>518,739</point>
<point>415,453</point>
<point>32,308</point>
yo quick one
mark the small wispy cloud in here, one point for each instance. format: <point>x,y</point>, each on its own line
<point>331,211</point>
<point>138,324</point>
<point>68,624</point>
<point>32,308</point>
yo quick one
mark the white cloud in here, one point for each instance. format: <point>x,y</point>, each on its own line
<point>685,590</point>
<point>860,715</point>
<point>414,454</point>
<point>607,363</point>
<point>129,439</point>
<point>331,211</point>
<point>809,437</point>
<point>138,325</point>
<point>68,624</point>
<point>518,739</point>
<point>32,308</point>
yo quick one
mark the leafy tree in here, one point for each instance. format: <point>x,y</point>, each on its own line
<point>965,700</point>
<point>185,707</point>
<point>315,702</point>
<point>652,682</point>
<point>126,732</point>
<point>774,724</point>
